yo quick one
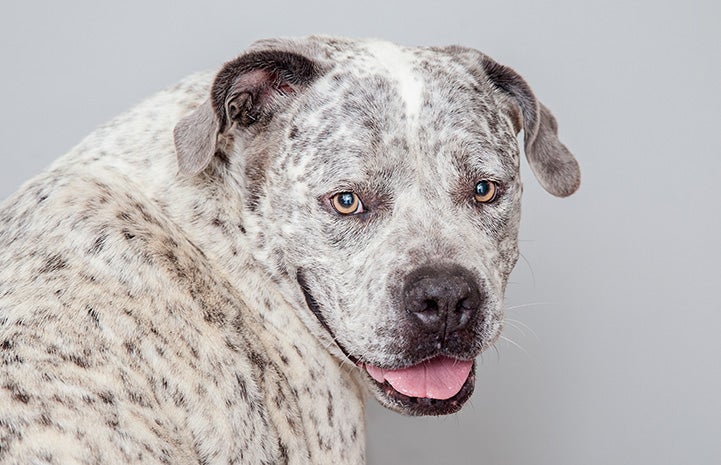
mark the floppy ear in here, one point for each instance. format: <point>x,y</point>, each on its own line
<point>246,92</point>
<point>196,137</point>
<point>551,162</point>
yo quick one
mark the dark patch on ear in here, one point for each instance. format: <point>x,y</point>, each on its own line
<point>245,92</point>
<point>510,82</point>
<point>552,163</point>
<point>245,87</point>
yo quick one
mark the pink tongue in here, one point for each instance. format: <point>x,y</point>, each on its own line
<point>438,378</point>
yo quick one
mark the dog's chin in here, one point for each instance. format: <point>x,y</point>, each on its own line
<point>391,398</point>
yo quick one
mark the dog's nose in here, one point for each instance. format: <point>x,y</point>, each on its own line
<point>445,299</point>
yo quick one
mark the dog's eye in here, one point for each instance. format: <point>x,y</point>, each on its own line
<point>485,191</point>
<point>347,203</point>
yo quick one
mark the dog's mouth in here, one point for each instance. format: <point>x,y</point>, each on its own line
<point>437,386</point>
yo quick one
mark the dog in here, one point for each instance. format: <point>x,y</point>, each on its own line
<point>219,275</point>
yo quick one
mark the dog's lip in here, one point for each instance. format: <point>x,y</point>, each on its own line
<point>440,377</point>
<point>422,405</point>
<point>315,309</point>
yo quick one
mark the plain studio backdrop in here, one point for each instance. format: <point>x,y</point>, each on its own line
<point>612,350</point>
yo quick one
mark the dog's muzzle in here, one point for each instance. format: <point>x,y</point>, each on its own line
<point>441,305</point>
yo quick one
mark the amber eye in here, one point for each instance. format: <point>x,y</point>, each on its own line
<point>485,191</point>
<point>347,203</point>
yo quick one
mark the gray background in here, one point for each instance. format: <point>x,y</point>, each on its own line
<point>613,351</point>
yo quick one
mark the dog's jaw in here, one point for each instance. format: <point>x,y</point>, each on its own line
<point>383,390</point>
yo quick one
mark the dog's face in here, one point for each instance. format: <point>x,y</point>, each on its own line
<point>382,191</point>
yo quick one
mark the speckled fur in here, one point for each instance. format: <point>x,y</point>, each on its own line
<point>151,316</point>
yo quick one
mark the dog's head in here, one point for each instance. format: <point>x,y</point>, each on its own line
<point>381,190</point>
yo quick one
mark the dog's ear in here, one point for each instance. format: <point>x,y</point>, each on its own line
<point>551,162</point>
<point>196,137</point>
<point>246,93</point>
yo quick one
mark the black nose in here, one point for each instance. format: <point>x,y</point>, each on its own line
<point>442,299</point>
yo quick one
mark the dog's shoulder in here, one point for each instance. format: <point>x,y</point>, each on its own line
<point>114,327</point>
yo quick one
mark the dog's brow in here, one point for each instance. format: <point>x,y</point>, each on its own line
<point>399,65</point>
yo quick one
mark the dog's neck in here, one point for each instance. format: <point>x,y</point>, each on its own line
<point>325,392</point>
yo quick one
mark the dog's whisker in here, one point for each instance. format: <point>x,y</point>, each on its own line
<point>530,268</point>
<point>521,327</point>
<point>530,304</point>
<point>498,352</point>
<point>514,325</point>
<point>514,343</point>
